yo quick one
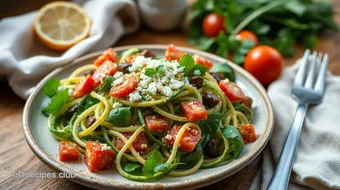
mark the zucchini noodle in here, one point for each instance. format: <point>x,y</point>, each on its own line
<point>164,119</point>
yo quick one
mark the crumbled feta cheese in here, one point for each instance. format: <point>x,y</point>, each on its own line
<point>117,81</point>
<point>143,146</point>
<point>135,96</point>
<point>197,72</point>
<point>117,105</point>
<point>175,84</point>
<point>168,137</point>
<point>152,88</point>
<point>118,74</point>
<point>105,147</point>
<point>165,90</point>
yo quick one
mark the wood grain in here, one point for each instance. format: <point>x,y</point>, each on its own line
<point>16,156</point>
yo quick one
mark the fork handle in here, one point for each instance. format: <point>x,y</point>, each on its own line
<point>284,166</point>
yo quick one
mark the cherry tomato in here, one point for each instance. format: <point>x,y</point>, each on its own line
<point>247,35</point>
<point>140,143</point>
<point>213,24</point>
<point>156,123</point>
<point>194,110</point>
<point>202,61</point>
<point>98,156</point>
<point>264,63</point>
<point>107,68</point>
<point>109,54</point>
<point>123,89</point>
<point>173,54</point>
<point>84,87</point>
<point>247,132</point>
<point>231,90</point>
<point>188,141</point>
<point>68,151</point>
<point>248,101</point>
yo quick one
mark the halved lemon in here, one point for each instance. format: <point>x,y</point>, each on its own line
<point>59,25</point>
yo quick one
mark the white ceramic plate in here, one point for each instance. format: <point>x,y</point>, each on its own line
<point>45,146</point>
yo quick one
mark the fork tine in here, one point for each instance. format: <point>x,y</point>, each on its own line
<point>311,71</point>
<point>302,69</point>
<point>320,82</point>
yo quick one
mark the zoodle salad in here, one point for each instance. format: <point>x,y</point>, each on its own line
<point>149,116</point>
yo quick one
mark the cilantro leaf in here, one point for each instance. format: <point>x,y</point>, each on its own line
<point>51,87</point>
<point>193,156</point>
<point>161,167</point>
<point>188,63</point>
<point>224,68</point>
<point>57,102</point>
<point>106,84</point>
<point>200,68</point>
<point>232,133</point>
<point>160,71</point>
<point>119,116</point>
<point>131,166</point>
<point>209,127</point>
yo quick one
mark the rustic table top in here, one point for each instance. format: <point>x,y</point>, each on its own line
<point>16,156</point>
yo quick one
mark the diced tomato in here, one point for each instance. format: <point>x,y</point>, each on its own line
<point>68,151</point>
<point>247,132</point>
<point>188,141</point>
<point>248,101</point>
<point>156,123</point>
<point>194,110</point>
<point>173,54</point>
<point>84,87</point>
<point>202,61</point>
<point>98,156</point>
<point>107,68</point>
<point>109,54</point>
<point>140,143</point>
<point>123,89</point>
<point>231,90</point>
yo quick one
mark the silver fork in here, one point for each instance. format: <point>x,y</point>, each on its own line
<point>307,89</point>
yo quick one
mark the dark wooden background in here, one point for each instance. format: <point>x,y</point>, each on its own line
<point>15,155</point>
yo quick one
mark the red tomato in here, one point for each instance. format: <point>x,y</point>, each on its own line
<point>173,54</point>
<point>203,61</point>
<point>247,132</point>
<point>188,141</point>
<point>264,63</point>
<point>247,35</point>
<point>123,89</point>
<point>194,110</point>
<point>109,54</point>
<point>84,87</point>
<point>231,90</point>
<point>98,157</point>
<point>107,68</point>
<point>68,151</point>
<point>213,24</point>
<point>140,143</point>
<point>248,102</point>
<point>156,123</point>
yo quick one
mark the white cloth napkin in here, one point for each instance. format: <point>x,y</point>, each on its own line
<point>24,60</point>
<point>317,163</point>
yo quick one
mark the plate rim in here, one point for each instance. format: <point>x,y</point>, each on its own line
<point>83,179</point>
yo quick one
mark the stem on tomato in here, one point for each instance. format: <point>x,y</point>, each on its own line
<point>256,14</point>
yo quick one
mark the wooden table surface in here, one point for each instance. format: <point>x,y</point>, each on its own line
<point>16,156</point>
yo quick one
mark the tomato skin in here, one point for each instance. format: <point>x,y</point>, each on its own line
<point>107,68</point>
<point>68,151</point>
<point>202,61</point>
<point>247,132</point>
<point>213,24</point>
<point>264,63</point>
<point>247,35</point>
<point>173,54</point>
<point>194,110</point>
<point>188,141</point>
<point>231,90</point>
<point>248,102</point>
<point>84,87</point>
<point>97,158</point>
<point>123,89</point>
<point>156,123</point>
<point>109,54</point>
<point>140,143</point>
